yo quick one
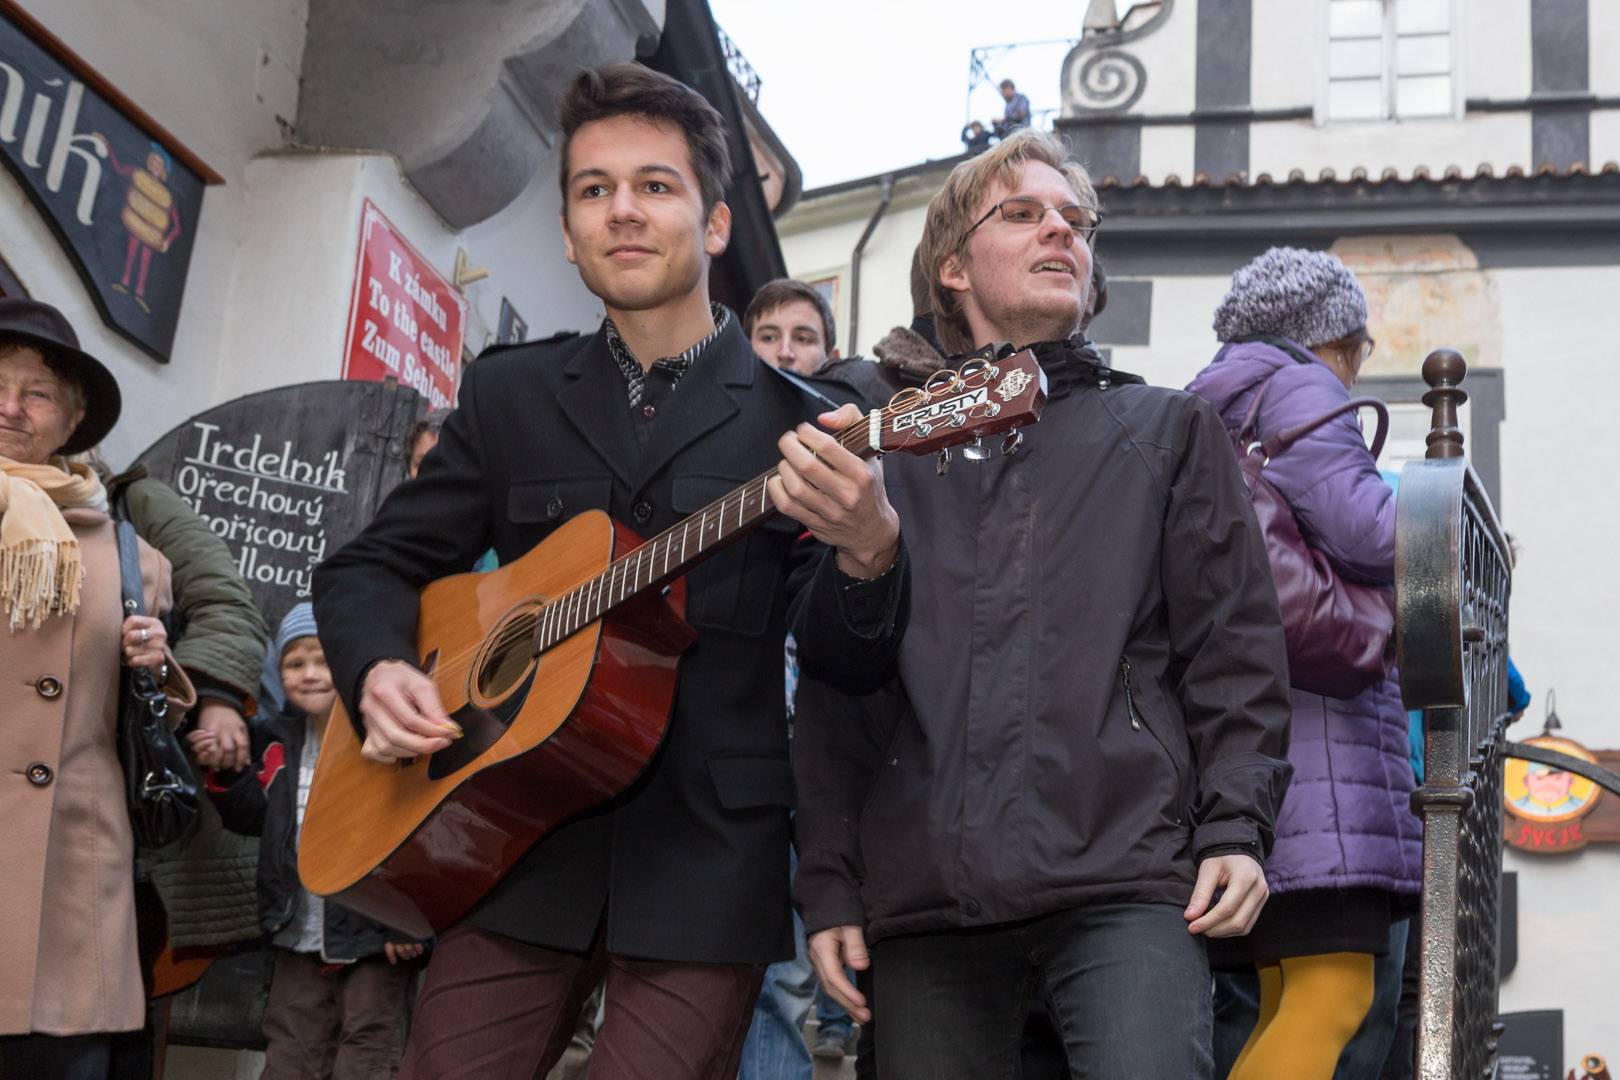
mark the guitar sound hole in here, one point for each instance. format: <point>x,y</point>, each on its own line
<point>504,664</point>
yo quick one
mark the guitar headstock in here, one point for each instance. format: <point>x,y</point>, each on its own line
<point>982,397</point>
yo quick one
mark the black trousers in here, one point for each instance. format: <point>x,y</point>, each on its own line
<point>64,1057</point>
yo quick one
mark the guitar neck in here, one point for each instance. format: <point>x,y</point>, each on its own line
<point>677,549</point>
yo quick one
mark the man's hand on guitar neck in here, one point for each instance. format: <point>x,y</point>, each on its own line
<point>837,496</point>
<point>402,714</point>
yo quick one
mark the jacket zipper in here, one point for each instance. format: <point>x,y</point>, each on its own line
<point>1130,702</point>
<point>1137,725</point>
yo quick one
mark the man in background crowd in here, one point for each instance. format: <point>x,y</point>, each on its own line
<point>791,326</point>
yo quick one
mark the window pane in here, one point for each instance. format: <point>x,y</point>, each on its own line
<point>1427,55</point>
<point>1354,59</point>
<point>1427,95</point>
<point>1355,18</point>
<point>1358,99</point>
<point>1422,16</point>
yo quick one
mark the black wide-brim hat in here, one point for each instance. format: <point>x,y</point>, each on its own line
<point>43,327</point>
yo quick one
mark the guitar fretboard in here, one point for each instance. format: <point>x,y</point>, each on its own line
<point>671,553</point>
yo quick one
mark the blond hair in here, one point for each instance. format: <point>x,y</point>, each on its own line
<point>953,211</point>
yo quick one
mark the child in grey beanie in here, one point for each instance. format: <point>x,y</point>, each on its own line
<point>1306,296</point>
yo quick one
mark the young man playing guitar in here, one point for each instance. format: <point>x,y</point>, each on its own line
<point>1087,776</point>
<point>676,891</point>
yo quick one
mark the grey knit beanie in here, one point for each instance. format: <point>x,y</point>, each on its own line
<point>1307,296</point>
<point>297,623</point>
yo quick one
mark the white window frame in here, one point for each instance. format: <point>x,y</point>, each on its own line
<point>1387,74</point>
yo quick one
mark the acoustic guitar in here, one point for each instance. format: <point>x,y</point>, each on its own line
<point>560,669</point>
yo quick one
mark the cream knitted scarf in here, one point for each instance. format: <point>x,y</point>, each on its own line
<point>40,567</point>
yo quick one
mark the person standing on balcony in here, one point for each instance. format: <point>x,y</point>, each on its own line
<point>1017,113</point>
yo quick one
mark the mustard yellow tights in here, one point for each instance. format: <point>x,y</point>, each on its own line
<point>1310,1008</point>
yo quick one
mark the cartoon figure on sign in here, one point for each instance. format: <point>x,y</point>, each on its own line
<point>1547,791</point>
<point>149,214</point>
<point>1544,794</point>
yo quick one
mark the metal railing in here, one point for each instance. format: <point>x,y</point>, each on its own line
<point>1453,576</point>
<point>741,70</point>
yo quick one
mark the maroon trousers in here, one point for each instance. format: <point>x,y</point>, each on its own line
<point>493,1008</point>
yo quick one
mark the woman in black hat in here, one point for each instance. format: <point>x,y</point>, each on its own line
<point>69,972</point>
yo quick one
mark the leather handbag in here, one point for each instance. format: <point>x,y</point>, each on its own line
<point>159,786</point>
<point>1340,634</point>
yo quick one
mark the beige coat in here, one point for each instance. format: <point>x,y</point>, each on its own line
<point>68,962</point>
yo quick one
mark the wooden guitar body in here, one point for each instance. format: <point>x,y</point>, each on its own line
<point>415,845</point>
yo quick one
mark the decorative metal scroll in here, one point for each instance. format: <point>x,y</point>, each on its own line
<point>1098,77</point>
<point>1453,574</point>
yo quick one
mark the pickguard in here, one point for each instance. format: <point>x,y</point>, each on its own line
<point>480,728</point>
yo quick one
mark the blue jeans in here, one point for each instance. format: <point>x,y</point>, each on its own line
<point>832,1022</point>
<point>1126,984</point>
<point>775,1048</point>
<point>1237,1009</point>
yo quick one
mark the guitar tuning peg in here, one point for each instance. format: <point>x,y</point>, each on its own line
<point>975,451</point>
<point>943,465</point>
<point>1010,445</point>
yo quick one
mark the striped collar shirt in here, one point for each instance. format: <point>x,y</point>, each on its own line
<point>671,367</point>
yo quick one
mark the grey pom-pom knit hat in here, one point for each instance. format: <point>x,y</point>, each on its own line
<point>1307,296</point>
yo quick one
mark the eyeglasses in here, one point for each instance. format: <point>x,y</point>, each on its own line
<point>1021,211</point>
<point>1361,350</point>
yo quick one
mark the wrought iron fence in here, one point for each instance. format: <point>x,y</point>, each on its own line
<point>741,70</point>
<point>1453,575</point>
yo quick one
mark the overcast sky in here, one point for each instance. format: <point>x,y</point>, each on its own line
<point>857,87</point>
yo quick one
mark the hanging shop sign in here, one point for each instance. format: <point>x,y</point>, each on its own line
<point>121,194</point>
<point>1550,809</point>
<point>406,320</point>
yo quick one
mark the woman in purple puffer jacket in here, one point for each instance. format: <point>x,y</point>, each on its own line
<point>1348,855</point>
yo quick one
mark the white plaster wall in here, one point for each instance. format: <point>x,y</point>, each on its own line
<point>1166,151</point>
<point>289,297</point>
<point>1603,37</point>
<point>885,270</point>
<point>1181,339</point>
<point>1499,139</point>
<point>1605,135</point>
<point>1494,47</point>
<point>1287,37</point>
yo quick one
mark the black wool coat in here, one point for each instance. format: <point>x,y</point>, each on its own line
<point>691,864</point>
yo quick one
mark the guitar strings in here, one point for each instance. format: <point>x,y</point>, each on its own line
<point>566,610</point>
<point>628,568</point>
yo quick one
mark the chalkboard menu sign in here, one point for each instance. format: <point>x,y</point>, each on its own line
<point>287,476</point>
<point>1532,1045</point>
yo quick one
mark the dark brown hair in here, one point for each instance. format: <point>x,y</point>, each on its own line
<point>773,294</point>
<point>632,90</point>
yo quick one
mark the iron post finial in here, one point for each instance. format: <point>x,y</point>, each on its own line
<point>1552,723</point>
<point>1444,370</point>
